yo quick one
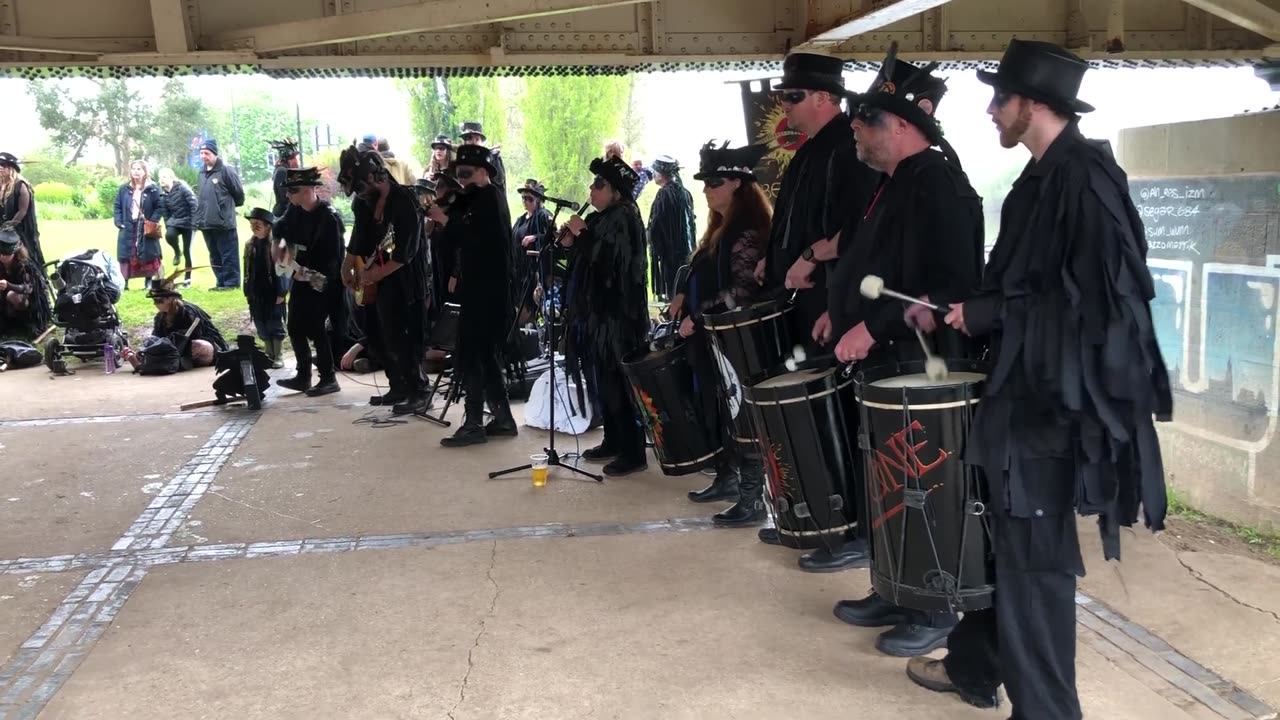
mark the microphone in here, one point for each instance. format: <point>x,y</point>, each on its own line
<point>561,202</point>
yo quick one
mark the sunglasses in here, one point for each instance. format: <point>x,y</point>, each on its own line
<point>714,182</point>
<point>293,190</point>
<point>794,97</point>
<point>868,115</point>
<point>599,183</point>
<point>465,173</point>
<point>528,198</point>
<point>158,301</point>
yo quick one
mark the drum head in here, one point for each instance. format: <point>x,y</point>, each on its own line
<point>799,377</point>
<point>921,380</point>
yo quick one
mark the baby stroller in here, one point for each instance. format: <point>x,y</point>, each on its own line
<point>85,288</point>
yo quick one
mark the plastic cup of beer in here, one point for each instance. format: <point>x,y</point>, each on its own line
<point>539,463</point>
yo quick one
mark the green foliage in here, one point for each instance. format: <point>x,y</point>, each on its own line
<point>178,118</point>
<point>259,119</point>
<point>61,211</point>
<point>107,189</point>
<point>566,121</point>
<point>110,112</point>
<point>476,99</point>
<point>53,192</point>
<point>428,115</point>
<point>187,175</point>
<point>47,165</point>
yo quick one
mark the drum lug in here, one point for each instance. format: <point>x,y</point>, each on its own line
<point>802,510</point>
<point>975,507</point>
<point>836,502</point>
<point>914,498</point>
<point>864,441</point>
<point>783,505</point>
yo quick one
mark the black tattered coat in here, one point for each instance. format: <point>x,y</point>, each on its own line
<point>1066,420</point>
<point>484,234</point>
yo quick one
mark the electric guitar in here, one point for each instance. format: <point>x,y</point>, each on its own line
<point>367,293</point>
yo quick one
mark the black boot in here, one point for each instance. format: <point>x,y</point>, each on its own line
<point>392,397</point>
<point>749,510</point>
<point>923,634</point>
<point>871,611</point>
<point>299,382</point>
<point>724,487</point>
<point>472,430</point>
<point>769,536</point>
<point>600,453</point>
<point>414,404</point>
<point>328,386</point>
<point>851,554</point>
<point>502,424</point>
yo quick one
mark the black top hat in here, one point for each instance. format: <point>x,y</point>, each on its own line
<point>666,165</point>
<point>617,173</point>
<point>807,71</point>
<point>261,214</point>
<point>721,162</point>
<point>476,156</point>
<point>442,141</point>
<point>423,185</point>
<point>302,177</point>
<point>899,87</point>
<point>534,188</point>
<point>285,148</point>
<point>10,160</point>
<point>9,240</point>
<point>473,128</point>
<point>1041,71</point>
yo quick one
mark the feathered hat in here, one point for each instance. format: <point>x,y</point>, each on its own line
<point>723,162</point>
<point>899,87</point>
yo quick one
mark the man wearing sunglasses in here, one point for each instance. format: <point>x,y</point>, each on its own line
<point>1065,423</point>
<point>312,232</point>
<point>922,231</point>
<point>823,182</point>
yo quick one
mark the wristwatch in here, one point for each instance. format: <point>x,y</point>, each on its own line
<point>807,255</point>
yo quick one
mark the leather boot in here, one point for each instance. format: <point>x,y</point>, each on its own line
<point>327,386</point>
<point>849,555</point>
<point>749,510</point>
<point>724,487</point>
<point>871,611</point>
<point>932,675</point>
<point>769,536</point>
<point>502,424</point>
<point>297,383</point>
<point>921,636</point>
<point>472,430</point>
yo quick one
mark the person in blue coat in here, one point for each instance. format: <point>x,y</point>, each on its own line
<point>137,202</point>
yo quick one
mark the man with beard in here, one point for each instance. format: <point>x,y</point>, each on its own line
<point>312,234</point>
<point>823,184</point>
<point>606,314</point>
<point>484,227</point>
<point>672,230</point>
<point>922,235</point>
<point>1065,423</point>
<point>387,239</point>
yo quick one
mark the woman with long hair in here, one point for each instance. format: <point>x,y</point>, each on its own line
<point>18,206</point>
<point>441,157</point>
<point>24,299</point>
<point>722,273</point>
<point>137,203</point>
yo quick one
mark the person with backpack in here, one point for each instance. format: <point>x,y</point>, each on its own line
<point>173,336</point>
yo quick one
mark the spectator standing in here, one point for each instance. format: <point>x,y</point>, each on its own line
<point>179,213</point>
<point>220,195</point>
<point>138,209</point>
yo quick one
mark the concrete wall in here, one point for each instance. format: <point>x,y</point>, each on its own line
<point>1209,193</point>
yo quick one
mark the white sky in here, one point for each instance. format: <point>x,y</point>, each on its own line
<point>685,109</point>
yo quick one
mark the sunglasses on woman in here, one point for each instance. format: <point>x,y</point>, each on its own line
<point>599,183</point>
<point>714,182</point>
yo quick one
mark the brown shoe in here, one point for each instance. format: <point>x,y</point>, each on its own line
<point>932,675</point>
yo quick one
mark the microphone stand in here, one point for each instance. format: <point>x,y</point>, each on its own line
<point>545,269</point>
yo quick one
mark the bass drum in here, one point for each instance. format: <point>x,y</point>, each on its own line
<point>662,386</point>
<point>747,342</point>
<point>803,420</point>
<point>930,542</point>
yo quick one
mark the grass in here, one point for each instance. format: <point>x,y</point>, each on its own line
<point>1268,543</point>
<point>60,238</point>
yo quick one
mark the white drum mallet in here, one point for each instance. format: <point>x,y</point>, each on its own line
<point>935,368</point>
<point>873,287</point>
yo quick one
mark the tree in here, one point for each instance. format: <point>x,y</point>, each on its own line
<point>429,115</point>
<point>477,99</point>
<point>178,119</point>
<point>110,112</point>
<point>566,122</point>
<point>255,122</point>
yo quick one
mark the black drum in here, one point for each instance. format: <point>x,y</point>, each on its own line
<point>444,336</point>
<point>930,542</point>
<point>746,343</point>
<point>662,386</point>
<point>804,422</point>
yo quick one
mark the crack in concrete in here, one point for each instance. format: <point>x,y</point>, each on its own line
<point>484,626</point>
<point>1196,574</point>
<point>266,510</point>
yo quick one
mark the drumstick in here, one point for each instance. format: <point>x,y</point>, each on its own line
<point>873,287</point>
<point>935,368</point>
<point>800,357</point>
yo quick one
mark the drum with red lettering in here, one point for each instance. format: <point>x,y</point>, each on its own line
<point>662,383</point>
<point>804,421</point>
<point>930,539</point>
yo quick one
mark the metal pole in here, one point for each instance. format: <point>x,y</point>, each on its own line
<point>298,116</point>
<point>235,130</point>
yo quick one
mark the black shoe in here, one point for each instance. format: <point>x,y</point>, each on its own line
<point>599,453</point>
<point>871,611</point>
<point>932,675</point>
<point>769,536</point>
<point>823,560</point>
<point>912,639</point>
<point>298,383</point>
<point>413,404</point>
<point>622,466</point>
<point>326,387</point>
<point>466,435</point>
<point>502,428</point>
<point>724,487</point>
<point>740,515</point>
<point>392,398</point>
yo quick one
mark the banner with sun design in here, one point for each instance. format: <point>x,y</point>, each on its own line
<point>767,125</point>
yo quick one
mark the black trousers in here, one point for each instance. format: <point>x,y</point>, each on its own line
<point>622,431</point>
<point>1028,640</point>
<point>483,381</point>
<point>398,338</point>
<point>179,238</point>
<point>308,311</point>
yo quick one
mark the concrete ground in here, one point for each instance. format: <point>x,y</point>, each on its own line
<point>298,563</point>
